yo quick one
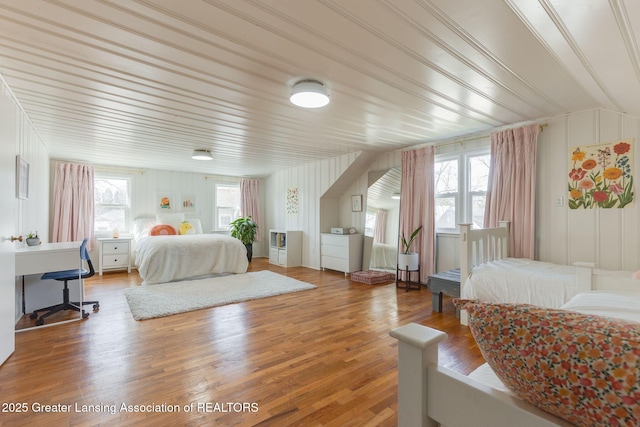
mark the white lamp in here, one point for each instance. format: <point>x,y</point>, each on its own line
<point>202,155</point>
<point>309,94</point>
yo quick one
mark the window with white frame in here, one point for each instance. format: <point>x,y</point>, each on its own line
<point>227,205</point>
<point>461,189</point>
<point>111,197</point>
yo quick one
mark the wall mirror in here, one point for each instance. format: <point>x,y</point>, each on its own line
<point>382,220</point>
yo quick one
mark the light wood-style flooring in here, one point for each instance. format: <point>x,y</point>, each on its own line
<point>322,357</point>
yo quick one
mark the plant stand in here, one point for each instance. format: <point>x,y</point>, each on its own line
<point>408,284</point>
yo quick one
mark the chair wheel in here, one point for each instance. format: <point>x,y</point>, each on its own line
<point>40,322</point>
<point>96,307</point>
<point>84,314</point>
<point>33,315</point>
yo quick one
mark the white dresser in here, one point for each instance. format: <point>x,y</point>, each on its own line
<point>341,252</point>
<point>114,254</point>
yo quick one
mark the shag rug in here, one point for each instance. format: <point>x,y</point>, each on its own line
<point>165,299</point>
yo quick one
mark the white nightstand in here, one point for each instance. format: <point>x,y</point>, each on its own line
<point>114,254</point>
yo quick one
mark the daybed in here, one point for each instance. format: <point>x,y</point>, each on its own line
<point>162,255</point>
<point>576,365</point>
<point>487,274</point>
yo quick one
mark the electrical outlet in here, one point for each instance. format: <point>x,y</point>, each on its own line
<point>559,201</point>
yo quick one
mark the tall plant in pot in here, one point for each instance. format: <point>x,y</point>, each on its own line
<point>244,229</point>
<point>408,260</point>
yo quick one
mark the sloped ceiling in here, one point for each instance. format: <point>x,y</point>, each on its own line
<point>141,83</point>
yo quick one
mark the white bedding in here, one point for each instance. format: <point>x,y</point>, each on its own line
<point>384,257</point>
<point>519,280</point>
<point>162,259</point>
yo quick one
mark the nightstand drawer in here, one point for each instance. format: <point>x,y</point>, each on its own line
<point>115,247</point>
<point>115,260</point>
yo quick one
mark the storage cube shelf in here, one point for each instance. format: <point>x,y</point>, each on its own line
<point>285,247</point>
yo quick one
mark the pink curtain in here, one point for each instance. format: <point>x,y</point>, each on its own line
<point>73,208</point>
<point>512,187</point>
<point>379,228</point>
<point>249,201</point>
<point>417,202</point>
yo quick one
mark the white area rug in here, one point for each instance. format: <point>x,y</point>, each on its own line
<point>149,301</point>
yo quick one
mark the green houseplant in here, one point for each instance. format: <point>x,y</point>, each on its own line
<point>33,239</point>
<point>408,260</point>
<point>244,229</point>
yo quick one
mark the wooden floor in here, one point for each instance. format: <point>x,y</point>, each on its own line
<point>322,357</point>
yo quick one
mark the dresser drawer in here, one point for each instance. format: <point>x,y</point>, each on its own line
<point>333,263</point>
<point>335,251</point>
<point>115,247</point>
<point>335,239</point>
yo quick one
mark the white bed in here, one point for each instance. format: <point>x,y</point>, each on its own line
<point>169,258</point>
<point>487,274</point>
<point>432,395</point>
<point>384,257</point>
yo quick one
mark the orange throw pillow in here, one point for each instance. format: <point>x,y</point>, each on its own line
<point>162,230</point>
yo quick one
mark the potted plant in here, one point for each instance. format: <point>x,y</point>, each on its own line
<point>244,229</point>
<point>33,239</point>
<point>408,260</point>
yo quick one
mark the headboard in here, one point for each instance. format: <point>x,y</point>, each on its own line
<point>481,245</point>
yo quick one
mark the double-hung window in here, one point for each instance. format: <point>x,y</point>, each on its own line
<point>111,203</point>
<point>460,182</point>
<point>227,205</point>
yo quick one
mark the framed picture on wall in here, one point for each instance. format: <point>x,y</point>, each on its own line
<point>164,202</point>
<point>356,203</point>
<point>22,178</point>
<point>188,202</point>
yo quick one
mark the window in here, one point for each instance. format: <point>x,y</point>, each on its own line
<point>227,205</point>
<point>461,189</point>
<point>111,198</point>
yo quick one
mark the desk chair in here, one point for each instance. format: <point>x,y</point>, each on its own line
<point>65,276</point>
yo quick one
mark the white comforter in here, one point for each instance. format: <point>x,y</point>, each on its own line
<point>519,280</point>
<point>162,259</point>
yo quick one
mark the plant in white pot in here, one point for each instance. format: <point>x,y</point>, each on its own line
<point>408,260</point>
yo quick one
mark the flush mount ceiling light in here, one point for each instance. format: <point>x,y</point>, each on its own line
<point>202,155</point>
<point>395,196</point>
<point>309,94</point>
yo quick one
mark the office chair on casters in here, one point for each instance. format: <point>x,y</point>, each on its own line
<point>65,276</point>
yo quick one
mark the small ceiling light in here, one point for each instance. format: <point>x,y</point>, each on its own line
<point>202,155</point>
<point>309,94</point>
<point>395,196</point>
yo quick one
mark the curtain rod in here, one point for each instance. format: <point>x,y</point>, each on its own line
<point>117,169</point>
<point>477,138</point>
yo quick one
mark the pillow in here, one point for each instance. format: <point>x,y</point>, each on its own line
<point>194,224</point>
<point>142,227</point>
<point>579,367</point>
<point>162,230</point>
<point>172,219</point>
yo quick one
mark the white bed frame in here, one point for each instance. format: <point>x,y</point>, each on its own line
<point>478,246</point>
<point>430,395</point>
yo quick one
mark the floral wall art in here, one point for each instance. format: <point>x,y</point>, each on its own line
<point>601,176</point>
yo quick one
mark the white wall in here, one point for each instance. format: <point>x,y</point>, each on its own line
<point>32,214</point>
<point>608,237</point>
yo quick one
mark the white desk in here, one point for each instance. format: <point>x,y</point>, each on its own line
<point>47,257</point>
<point>35,260</point>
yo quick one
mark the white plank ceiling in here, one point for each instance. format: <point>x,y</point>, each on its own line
<point>141,83</point>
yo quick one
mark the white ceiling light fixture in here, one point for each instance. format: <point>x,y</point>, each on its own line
<point>309,94</point>
<point>202,155</point>
<point>395,196</point>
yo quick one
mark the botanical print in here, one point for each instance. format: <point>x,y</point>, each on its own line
<point>292,201</point>
<point>601,175</point>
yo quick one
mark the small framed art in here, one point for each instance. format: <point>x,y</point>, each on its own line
<point>22,178</point>
<point>356,203</point>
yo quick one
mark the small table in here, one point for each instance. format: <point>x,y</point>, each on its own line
<point>446,282</point>
<point>408,283</point>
